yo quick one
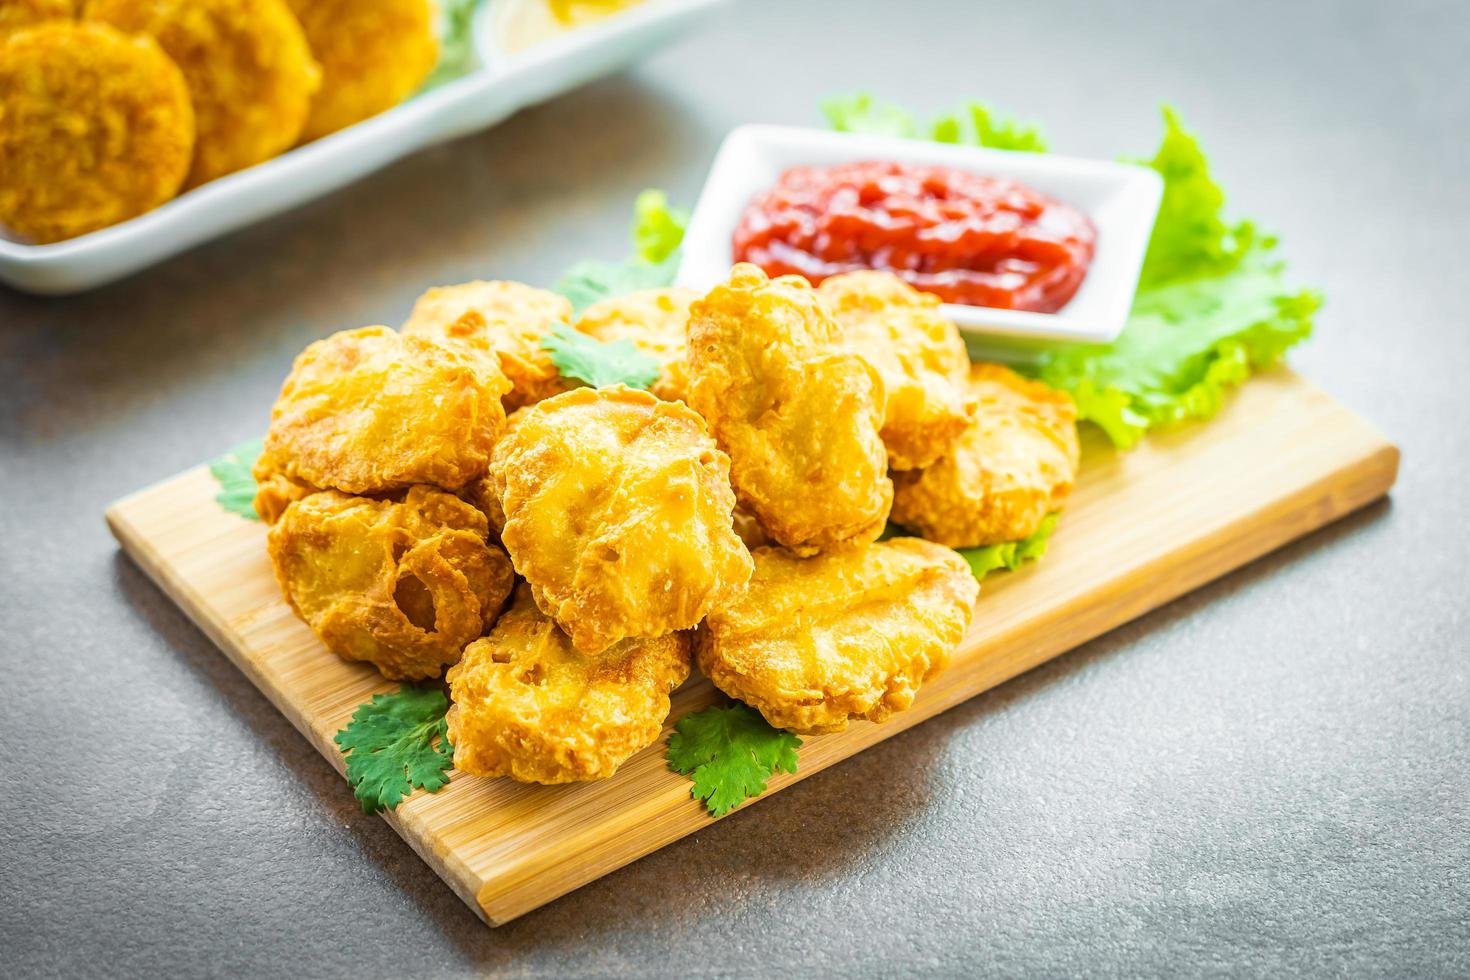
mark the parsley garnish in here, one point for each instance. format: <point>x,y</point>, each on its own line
<point>1012,554</point>
<point>729,752</point>
<point>596,363</point>
<point>390,746</point>
<point>236,483</point>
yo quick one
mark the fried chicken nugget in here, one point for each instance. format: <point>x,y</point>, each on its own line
<point>657,321</point>
<point>373,53</point>
<point>617,510</point>
<point>403,583</point>
<point>370,410</point>
<point>1015,464</point>
<point>95,128</point>
<point>920,355</point>
<point>507,318</point>
<point>251,75</point>
<point>851,633</point>
<point>529,706</point>
<point>15,14</point>
<point>798,414</point>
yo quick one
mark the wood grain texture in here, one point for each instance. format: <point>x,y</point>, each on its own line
<point>1144,527</point>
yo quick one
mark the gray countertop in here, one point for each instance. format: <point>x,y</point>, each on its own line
<point>1269,776</point>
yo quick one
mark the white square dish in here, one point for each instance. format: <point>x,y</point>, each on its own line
<point>1121,199</point>
<point>502,84</point>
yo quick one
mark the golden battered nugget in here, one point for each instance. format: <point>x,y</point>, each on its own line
<point>95,128</point>
<point>373,53</point>
<point>1015,464</point>
<point>251,75</point>
<point>529,706</point>
<point>508,318</point>
<point>798,414</point>
<point>370,410</point>
<point>657,321</point>
<point>15,14</point>
<point>617,510</point>
<point>403,583</point>
<point>920,355</point>
<point>851,633</point>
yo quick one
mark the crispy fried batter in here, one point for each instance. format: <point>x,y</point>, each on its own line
<point>95,128</point>
<point>749,530</point>
<point>250,73</point>
<point>797,413</point>
<point>654,319</point>
<point>509,318</point>
<point>529,706</point>
<point>1015,464</point>
<point>920,355</point>
<point>275,491</point>
<point>369,410</point>
<point>373,56</point>
<point>402,583</point>
<point>851,633</point>
<point>15,14</point>
<point>617,510</point>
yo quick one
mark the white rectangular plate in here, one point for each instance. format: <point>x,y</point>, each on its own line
<point>504,84</point>
<point>1121,199</point>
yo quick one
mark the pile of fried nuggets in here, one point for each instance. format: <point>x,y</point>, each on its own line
<point>418,481</point>
<point>108,108</point>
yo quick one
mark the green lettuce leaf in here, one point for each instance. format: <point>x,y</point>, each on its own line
<point>973,124</point>
<point>1212,308</point>
<point>454,26</point>
<point>1185,345</point>
<point>861,113</point>
<point>657,228</point>
<point>976,124</point>
<point>1011,555</point>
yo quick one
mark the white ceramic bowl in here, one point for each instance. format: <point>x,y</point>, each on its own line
<point>1121,199</point>
<point>503,84</point>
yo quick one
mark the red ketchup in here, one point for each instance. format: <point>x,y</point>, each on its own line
<point>981,241</point>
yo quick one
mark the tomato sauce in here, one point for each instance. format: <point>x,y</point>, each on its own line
<point>981,241</point>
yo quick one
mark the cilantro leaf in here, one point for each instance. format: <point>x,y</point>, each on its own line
<point>657,232</point>
<point>1012,554</point>
<point>599,363</point>
<point>657,228</point>
<point>236,483</point>
<point>592,281</point>
<point>729,751</point>
<point>390,746</point>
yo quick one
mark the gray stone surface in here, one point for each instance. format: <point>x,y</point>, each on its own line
<point>1268,777</point>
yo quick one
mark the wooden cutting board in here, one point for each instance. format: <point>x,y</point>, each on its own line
<point>1144,527</point>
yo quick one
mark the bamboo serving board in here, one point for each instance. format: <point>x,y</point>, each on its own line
<point>1144,527</point>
